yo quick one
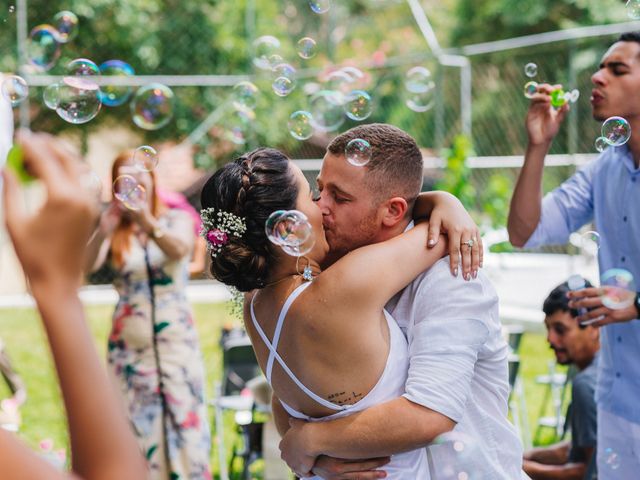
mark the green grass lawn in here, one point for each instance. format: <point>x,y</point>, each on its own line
<point>43,416</point>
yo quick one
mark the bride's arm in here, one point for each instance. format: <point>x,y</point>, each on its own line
<point>369,276</point>
<point>446,214</point>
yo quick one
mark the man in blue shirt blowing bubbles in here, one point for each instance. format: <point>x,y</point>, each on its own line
<point>606,192</point>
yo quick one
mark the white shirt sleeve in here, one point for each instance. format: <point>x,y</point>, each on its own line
<point>453,321</point>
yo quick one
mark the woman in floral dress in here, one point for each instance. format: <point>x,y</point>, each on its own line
<point>154,354</point>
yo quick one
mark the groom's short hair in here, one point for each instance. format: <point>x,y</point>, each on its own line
<point>395,168</point>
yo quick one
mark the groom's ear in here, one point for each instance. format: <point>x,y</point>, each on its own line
<point>394,211</point>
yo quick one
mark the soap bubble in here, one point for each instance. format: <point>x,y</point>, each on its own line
<point>113,95</point>
<point>455,452</point>
<point>616,131</point>
<point>145,158</point>
<point>320,6</point>
<point>264,48</point>
<point>129,192</point>
<point>245,94</point>
<point>418,79</point>
<point>618,289</point>
<point>283,86</point>
<point>300,125</point>
<point>238,123</point>
<point>51,96</point>
<point>307,48</point>
<point>43,48</point>
<point>302,248</point>
<point>82,67</point>
<point>576,282</point>
<point>354,73</point>
<point>530,89</point>
<point>531,70</point>
<point>15,89</point>
<point>590,243</point>
<point>633,9</point>
<point>601,144</point>
<point>152,106</point>
<point>284,79</point>
<point>66,24</point>
<point>358,152</point>
<point>270,224</point>
<point>421,102</point>
<point>78,100</point>
<point>290,230</point>
<point>358,105</point>
<point>611,458</point>
<point>339,81</point>
<point>574,95</point>
<point>326,107</point>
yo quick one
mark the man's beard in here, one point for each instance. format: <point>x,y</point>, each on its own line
<point>363,234</point>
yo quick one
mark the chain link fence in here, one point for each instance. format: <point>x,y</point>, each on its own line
<point>205,48</point>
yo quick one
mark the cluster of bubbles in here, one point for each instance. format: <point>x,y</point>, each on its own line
<point>420,89</point>
<point>633,9</point>
<point>558,96</point>
<point>358,152</point>
<point>615,132</point>
<point>291,231</point>
<point>11,10</point>
<point>332,103</point>
<point>78,98</point>
<point>127,188</point>
<point>45,40</point>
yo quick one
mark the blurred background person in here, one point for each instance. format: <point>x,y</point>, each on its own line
<point>577,345</point>
<point>154,352</point>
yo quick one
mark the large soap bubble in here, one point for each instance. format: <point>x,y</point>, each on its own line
<point>152,106</point>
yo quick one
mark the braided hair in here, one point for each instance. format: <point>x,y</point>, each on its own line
<point>252,186</point>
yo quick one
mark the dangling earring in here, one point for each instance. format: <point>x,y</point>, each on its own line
<point>307,273</point>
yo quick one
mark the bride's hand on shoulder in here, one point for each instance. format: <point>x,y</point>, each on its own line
<point>465,241</point>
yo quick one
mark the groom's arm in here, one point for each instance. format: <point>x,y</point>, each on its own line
<point>382,430</point>
<point>448,333</point>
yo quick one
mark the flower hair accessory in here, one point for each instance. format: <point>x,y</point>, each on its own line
<point>218,226</point>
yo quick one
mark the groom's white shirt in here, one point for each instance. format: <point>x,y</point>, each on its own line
<point>458,367</point>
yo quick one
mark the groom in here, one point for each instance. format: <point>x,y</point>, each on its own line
<point>457,379</point>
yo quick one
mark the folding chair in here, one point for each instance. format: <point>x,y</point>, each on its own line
<point>555,393</point>
<point>233,393</point>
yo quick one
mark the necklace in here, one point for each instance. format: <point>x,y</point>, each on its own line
<point>306,274</point>
<point>281,280</point>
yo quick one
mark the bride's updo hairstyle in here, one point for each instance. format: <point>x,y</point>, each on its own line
<point>251,187</point>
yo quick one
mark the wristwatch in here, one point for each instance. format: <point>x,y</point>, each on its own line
<point>637,304</point>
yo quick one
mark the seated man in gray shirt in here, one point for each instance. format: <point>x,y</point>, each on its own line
<point>573,344</point>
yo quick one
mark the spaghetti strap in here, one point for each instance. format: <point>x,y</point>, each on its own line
<point>273,353</point>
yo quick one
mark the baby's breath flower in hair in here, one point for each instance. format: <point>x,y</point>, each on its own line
<point>217,226</point>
